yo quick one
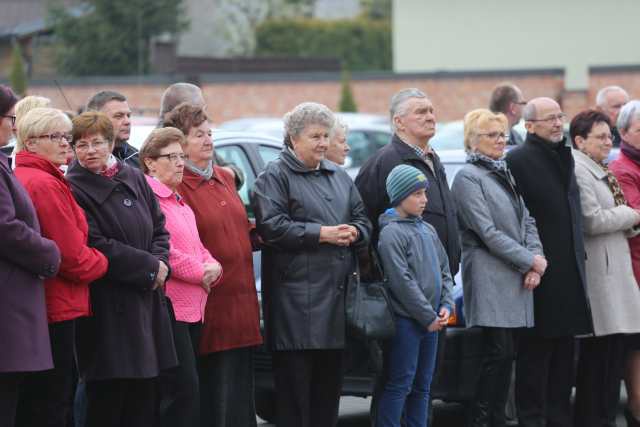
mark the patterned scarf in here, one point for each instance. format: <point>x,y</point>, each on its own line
<point>499,165</point>
<point>612,182</point>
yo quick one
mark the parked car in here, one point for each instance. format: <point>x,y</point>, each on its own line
<point>367,134</point>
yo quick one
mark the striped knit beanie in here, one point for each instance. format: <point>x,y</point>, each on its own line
<point>402,181</point>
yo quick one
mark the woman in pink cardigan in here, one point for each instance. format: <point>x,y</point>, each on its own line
<point>194,272</point>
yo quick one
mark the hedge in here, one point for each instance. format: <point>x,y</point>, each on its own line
<point>361,44</point>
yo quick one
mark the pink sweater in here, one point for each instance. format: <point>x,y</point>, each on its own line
<point>186,256</point>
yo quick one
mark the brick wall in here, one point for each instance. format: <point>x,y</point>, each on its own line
<point>452,94</point>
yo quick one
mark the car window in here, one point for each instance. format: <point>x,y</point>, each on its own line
<point>236,155</point>
<point>364,144</point>
<point>268,153</point>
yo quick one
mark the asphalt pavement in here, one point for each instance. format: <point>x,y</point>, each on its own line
<point>354,412</point>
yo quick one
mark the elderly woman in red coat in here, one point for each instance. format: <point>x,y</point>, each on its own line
<point>626,168</point>
<point>231,320</point>
<point>42,148</point>
<point>25,259</point>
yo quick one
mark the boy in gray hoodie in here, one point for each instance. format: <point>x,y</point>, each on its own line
<point>417,268</point>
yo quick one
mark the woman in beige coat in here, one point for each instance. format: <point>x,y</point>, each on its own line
<point>611,286</point>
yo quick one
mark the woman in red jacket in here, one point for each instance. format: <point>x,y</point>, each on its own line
<point>626,168</point>
<point>43,146</point>
<point>231,323</point>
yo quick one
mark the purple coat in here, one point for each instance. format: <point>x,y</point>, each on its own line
<point>25,259</point>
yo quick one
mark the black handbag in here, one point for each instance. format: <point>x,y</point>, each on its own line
<point>368,307</point>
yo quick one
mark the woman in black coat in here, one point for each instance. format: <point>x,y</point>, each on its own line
<point>127,342</point>
<point>309,214</point>
<point>25,259</point>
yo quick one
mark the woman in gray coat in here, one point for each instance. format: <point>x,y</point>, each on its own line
<point>611,285</point>
<point>309,215</point>
<point>502,259</point>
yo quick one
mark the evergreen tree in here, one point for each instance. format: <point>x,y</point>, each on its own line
<point>347,103</point>
<point>18,75</point>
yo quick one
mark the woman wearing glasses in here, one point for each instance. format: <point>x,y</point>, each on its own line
<point>502,259</point>
<point>25,259</point>
<point>613,293</point>
<point>42,148</point>
<point>127,342</point>
<point>194,272</point>
<point>231,324</point>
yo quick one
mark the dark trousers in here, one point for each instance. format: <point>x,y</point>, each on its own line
<point>492,388</point>
<point>227,389</point>
<point>544,378</point>
<point>47,397</point>
<point>600,369</point>
<point>180,386</point>
<point>122,403</point>
<point>9,393</point>
<point>308,387</point>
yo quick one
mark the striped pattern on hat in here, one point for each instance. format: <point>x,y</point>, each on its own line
<point>402,181</point>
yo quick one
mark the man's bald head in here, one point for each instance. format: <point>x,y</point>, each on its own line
<point>543,117</point>
<point>178,93</point>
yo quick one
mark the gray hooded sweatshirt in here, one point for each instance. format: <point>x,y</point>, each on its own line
<point>416,266</point>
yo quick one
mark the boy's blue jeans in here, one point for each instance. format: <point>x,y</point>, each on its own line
<point>410,362</point>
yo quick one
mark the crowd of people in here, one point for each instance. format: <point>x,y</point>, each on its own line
<point>127,294</point>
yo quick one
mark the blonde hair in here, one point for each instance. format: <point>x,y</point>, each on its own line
<point>28,103</point>
<point>37,122</point>
<point>478,119</point>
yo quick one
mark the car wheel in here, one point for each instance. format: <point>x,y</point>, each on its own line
<point>266,405</point>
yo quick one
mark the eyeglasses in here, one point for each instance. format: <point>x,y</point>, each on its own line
<point>549,120</point>
<point>174,157</point>
<point>13,119</point>
<point>494,135</point>
<point>84,146</point>
<point>57,137</point>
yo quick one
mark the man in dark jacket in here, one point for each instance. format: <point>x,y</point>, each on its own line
<point>543,168</point>
<point>414,124</point>
<point>610,101</point>
<point>507,99</point>
<point>116,107</point>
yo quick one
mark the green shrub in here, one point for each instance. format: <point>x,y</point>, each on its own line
<point>347,103</point>
<point>360,44</point>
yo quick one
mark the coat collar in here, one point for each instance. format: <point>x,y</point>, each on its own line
<point>193,180</point>
<point>159,189</point>
<point>98,187</point>
<point>403,149</point>
<point>595,169</point>
<point>25,159</point>
<point>4,162</point>
<point>293,163</point>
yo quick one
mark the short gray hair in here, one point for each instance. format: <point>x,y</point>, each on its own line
<point>303,115</point>
<point>628,114</point>
<point>397,105</point>
<point>339,124</point>
<point>601,97</point>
